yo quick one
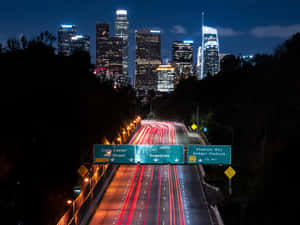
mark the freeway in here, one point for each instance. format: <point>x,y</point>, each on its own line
<point>154,194</point>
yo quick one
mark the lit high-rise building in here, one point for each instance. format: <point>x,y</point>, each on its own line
<point>108,54</point>
<point>165,78</point>
<point>65,34</point>
<point>210,49</point>
<point>148,58</point>
<point>102,39</point>
<point>199,62</point>
<point>182,57</point>
<point>122,31</point>
<point>80,43</point>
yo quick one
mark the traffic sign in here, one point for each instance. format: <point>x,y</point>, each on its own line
<point>82,170</point>
<point>194,126</point>
<point>159,154</point>
<point>209,154</point>
<point>114,153</point>
<point>230,172</point>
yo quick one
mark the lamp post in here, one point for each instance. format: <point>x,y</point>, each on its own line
<point>89,180</point>
<point>71,202</point>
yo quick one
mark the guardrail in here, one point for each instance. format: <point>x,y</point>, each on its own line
<point>214,209</point>
<point>82,204</point>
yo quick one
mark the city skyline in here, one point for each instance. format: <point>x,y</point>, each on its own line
<point>248,27</point>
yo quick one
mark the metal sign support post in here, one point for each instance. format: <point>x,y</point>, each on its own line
<point>230,188</point>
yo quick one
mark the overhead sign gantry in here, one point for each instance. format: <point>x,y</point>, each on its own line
<point>162,154</point>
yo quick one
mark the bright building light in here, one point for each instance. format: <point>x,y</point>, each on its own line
<point>209,30</point>
<point>66,26</point>
<point>188,42</point>
<point>155,31</point>
<point>121,12</point>
<point>164,67</point>
<point>77,37</point>
<point>211,43</point>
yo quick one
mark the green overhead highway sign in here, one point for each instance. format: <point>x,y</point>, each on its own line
<point>162,154</point>
<point>159,154</point>
<point>114,153</point>
<point>209,154</point>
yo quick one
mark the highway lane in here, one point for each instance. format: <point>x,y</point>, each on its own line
<point>154,194</point>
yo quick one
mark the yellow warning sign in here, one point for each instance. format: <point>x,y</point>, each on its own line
<point>192,158</point>
<point>194,126</point>
<point>229,172</point>
<point>82,170</point>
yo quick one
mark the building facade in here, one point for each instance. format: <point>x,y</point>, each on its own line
<point>80,43</point>
<point>165,80</point>
<point>108,54</point>
<point>182,57</point>
<point>210,52</point>
<point>199,63</point>
<point>65,34</point>
<point>148,58</point>
<point>70,42</point>
<point>122,31</point>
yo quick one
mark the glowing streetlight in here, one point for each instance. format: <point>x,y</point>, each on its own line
<point>88,180</point>
<point>69,201</point>
<point>119,140</point>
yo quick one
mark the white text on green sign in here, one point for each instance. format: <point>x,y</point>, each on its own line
<point>209,154</point>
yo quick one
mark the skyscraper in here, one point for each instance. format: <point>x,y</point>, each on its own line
<point>210,49</point>
<point>65,34</point>
<point>80,43</point>
<point>108,54</point>
<point>69,42</point>
<point>199,62</point>
<point>122,31</point>
<point>102,39</point>
<point>182,57</point>
<point>148,58</point>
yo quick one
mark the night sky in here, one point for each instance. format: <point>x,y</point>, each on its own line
<point>246,27</point>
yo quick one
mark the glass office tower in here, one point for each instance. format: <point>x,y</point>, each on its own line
<point>147,58</point>
<point>108,54</point>
<point>199,62</point>
<point>80,43</point>
<point>65,34</point>
<point>182,58</point>
<point>122,31</point>
<point>210,51</point>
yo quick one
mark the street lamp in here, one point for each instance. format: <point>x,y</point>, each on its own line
<point>71,202</point>
<point>88,180</point>
<point>119,140</point>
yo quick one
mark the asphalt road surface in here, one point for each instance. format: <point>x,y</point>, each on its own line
<point>154,194</point>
